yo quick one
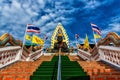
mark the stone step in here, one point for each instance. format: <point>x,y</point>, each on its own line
<point>98,70</point>
<point>22,70</point>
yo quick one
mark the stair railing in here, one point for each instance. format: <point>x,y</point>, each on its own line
<point>9,55</point>
<point>84,54</point>
<point>110,55</point>
<point>59,66</point>
<point>34,55</point>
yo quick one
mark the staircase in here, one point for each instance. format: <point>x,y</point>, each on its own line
<point>98,70</point>
<point>46,71</point>
<point>21,70</point>
<point>72,67</point>
<point>69,70</point>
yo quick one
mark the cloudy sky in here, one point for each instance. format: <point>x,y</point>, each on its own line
<point>75,16</point>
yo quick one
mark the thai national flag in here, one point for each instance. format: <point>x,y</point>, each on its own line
<point>77,36</point>
<point>95,28</point>
<point>45,37</point>
<point>32,28</point>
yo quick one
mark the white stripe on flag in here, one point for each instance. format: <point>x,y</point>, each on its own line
<point>94,29</point>
<point>93,24</point>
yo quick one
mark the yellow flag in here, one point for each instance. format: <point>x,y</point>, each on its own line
<point>37,40</point>
<point>86,42</point>
<point>28,37</point>
<point>97,36</point>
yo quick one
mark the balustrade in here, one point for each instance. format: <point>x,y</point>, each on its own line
<point>110,54</point>
<point>9,55</point>
<point>35,55</point>
<point>83,54</point>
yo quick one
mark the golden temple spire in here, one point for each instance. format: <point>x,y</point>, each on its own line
<point>59,31</point>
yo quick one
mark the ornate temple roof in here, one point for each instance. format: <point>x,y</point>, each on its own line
<point>59,30</point>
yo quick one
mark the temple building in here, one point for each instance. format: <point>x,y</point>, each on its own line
<point>101,62</point>
<point>60,39</point>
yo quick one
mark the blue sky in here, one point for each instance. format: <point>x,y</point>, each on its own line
<point>75,15</point>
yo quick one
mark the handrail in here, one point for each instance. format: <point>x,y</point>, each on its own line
<point>59,66</point>
<point>9,55</point>
<point>35,55</point>
<point>84,55</point>
<point>110,55</point>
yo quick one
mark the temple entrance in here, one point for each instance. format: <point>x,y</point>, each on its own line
<point>60,39</point>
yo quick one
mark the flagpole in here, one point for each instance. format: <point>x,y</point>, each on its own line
<point>23,42</point>
<point>43,48</point>
<point>44,40</point>
<point>94,39</point>
<point>88,47</point>
<point>44,44</point>
<point>76,39</point>
<point>31,42</point>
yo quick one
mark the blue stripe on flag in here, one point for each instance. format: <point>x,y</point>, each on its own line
<point>32,28</point>
<point>95,27</point>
